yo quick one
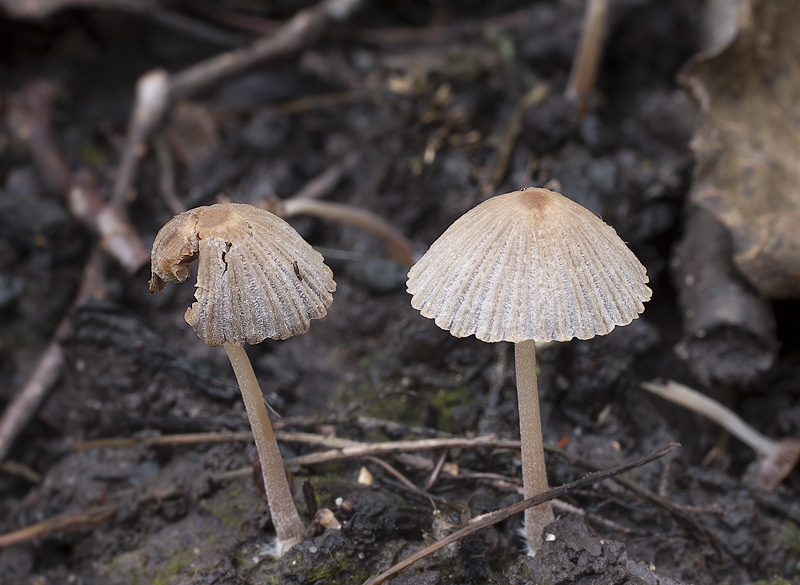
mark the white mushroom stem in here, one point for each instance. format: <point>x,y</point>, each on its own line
<point>534,473</point>
<point>778,458</point>
<point>726,418</point>
<point>288,526</point>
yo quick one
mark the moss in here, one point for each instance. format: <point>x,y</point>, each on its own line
<point>177,563</point>
<point>784,549</point>
<point>232,506</point>
<point>331,568</point>
<point>445,401</point>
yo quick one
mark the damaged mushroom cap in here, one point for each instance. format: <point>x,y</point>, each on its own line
<point>256,277</point>
<point>529,264</point>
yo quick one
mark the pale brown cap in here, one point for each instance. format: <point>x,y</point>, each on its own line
<point>530,264</point>
<point>256,276</point>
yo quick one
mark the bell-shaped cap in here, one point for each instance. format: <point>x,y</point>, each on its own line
<point>530,264</point>
<point>256,276</point>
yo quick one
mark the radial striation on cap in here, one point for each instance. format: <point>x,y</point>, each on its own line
<point>257,278</point>
<point>530,264</point>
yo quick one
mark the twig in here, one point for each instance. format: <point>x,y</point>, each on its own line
<point>88,518</point>
<point>576,511</point>
<point>152,97</point>
<point>196,28</point>
<point>166,176</point>
<point>392,471</point>
<point>30,112</point>
<point>324,183</point>
<point>48,366</point>
<point>436,471</point>
<point>302,30</point>
<point>108,221</point>
<point>492,518</point>
<point>682,514</point>
<point>400,248</point>
<point>587,57</point>
<point>156,90</point>
<point>532,97</point>
<point>60,523</point>
<point>777,458</point>
<point>400,446</point>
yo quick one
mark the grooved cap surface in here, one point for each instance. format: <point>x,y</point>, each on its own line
<point>256,276</point>
<point>529,264</point>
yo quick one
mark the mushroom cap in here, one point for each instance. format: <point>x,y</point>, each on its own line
<point>530,264</point>
<point>256,276</point>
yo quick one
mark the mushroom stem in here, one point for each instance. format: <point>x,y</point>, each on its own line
<point>776,458</point>
<point>288,526</point>
<point>534,474</point>
<point>726,418</point>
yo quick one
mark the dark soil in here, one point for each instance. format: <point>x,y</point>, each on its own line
<point>426,121</point>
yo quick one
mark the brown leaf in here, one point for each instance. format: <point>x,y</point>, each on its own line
<point>747,144</point>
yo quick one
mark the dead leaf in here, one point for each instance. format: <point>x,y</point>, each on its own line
<point>747,144</point>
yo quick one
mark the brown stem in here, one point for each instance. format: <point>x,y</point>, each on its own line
<point>288,525</point>
<point>587,58</point>
<point>534,473</point>
<point>400,248</point>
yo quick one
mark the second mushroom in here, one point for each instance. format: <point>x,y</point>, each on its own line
<point>256,278</point>
<point>529,266</point>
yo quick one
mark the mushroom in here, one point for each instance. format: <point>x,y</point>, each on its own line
<point>256,278</point>
<point>776,459</point>
<point>529,266</point>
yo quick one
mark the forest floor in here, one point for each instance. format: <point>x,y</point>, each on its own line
<point>421,110</point>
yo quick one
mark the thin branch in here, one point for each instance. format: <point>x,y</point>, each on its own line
<point>400,248</point>
<point>492,518</point>
<point>157,90</point>
<point>365,450</point>
<point>48,367</point>
<point>587,57</point>
<point>777,458</point>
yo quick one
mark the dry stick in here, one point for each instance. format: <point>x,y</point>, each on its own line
<point>150,103</point>
<point>109,222</point>
<point>533,96</point>
<point>29,115</point>
<point>778,458</point>
<point>88,518</point>
<point>486,520</point>
<point>394,472</point>
<point>389,36</point>
<point>60,523</point>
<point>587,58</point>
<point>400,446</point>
<point>156,90</point>
<point>48,366</point>
<point>436,471</point>
<point>302,30</point>
<point>324,183</point>
<point>682,514</point>
<point>30,112</point>
<point>400,248</point>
